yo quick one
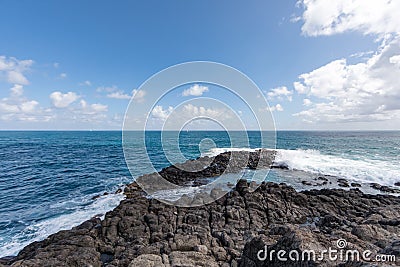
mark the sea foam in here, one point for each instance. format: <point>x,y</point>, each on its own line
<point>358,169</point>
<point>42,229</point>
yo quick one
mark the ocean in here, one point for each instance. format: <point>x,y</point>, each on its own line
<point>51,180</point>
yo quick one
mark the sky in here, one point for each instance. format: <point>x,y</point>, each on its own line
<point>320,64</point>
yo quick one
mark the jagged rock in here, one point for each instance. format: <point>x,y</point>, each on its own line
<point>142,231</point>
<point>392,249</point>
<point>191,259</point>
<point>384,188</point>
<point>147,260</point>
<point>202,249</point>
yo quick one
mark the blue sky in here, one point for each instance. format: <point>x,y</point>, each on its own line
<point>74,64</point>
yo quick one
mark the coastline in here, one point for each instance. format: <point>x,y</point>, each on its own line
<point>143,230</point>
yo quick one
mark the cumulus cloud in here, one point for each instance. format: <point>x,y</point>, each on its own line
<point>280,93</point>
<point>366,91</point>
<point>159,112</point>
<point>8,108</point>
<point>61,100</point>
<point>138,95</point>
<point>323,81</point>
<point>395,60</point>
<point>307,102</point>
<point>195,90</point>
<point>17,90</point>
<point>82,115</point>
<point>322,17</point>
<point>62,76</point>
<point>363,92</point>
<point>16,107</point>
<point>16,77</point>
<point>189,111</point>
<point>198,116</point>
<point>29,106</point>
<point>277,107</point>
<point>13,70</point>
<point>99,107</point>
<point>194,111</point>
<point>90,109</point>
<point>272,108</point>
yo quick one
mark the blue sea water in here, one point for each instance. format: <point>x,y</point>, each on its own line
<point>48,179</point>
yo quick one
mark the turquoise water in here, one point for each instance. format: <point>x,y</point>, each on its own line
<point>48,179</point>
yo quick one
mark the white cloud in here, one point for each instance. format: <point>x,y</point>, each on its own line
<point>307,102</point>
<point>83,112</point>
<point>16,77</point>
<point>90,109</point>
<point>362,54</point>
<point>119,95</point>
<point>362,92</point>
<point>279,93</point>
<point>8,108</point>
<point>367,91</point>
<point>138,95</point>
<point>13,70</point>
<point>29,106</point>
<point>114,92</point>
<point>277,107</point>
<point>99,107</point>
<point>198,116</point>
<point>195,90</point>
<point>16,107</point>
<point>196,111</point>
<point>323,81</point>
<point>159,113</point>
<point>17,90</point>
<point>63,76</point>
<point>272,108</point>
<point>190,111</point>
<point>323,17</point>
<point>61,100</point>
<point>395,60</point>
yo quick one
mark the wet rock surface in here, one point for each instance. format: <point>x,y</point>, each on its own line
<point>206,167</point>
<point>227,232</point>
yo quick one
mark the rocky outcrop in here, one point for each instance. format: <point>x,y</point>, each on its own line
<point>228,232</point>
<point>194,171</point>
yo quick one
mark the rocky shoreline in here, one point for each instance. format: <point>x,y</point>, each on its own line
<point>143,231</point>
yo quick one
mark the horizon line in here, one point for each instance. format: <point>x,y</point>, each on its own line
<point>196,130</point>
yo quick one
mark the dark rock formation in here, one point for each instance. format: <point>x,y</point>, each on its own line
<point>205,167</point>
<point>228,232</point>
<point>384,188</point>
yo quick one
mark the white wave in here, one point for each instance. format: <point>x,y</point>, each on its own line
<point>216,151</point>
<point>43,229</point>
<point>362,169</point>
<point>174,194</point>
